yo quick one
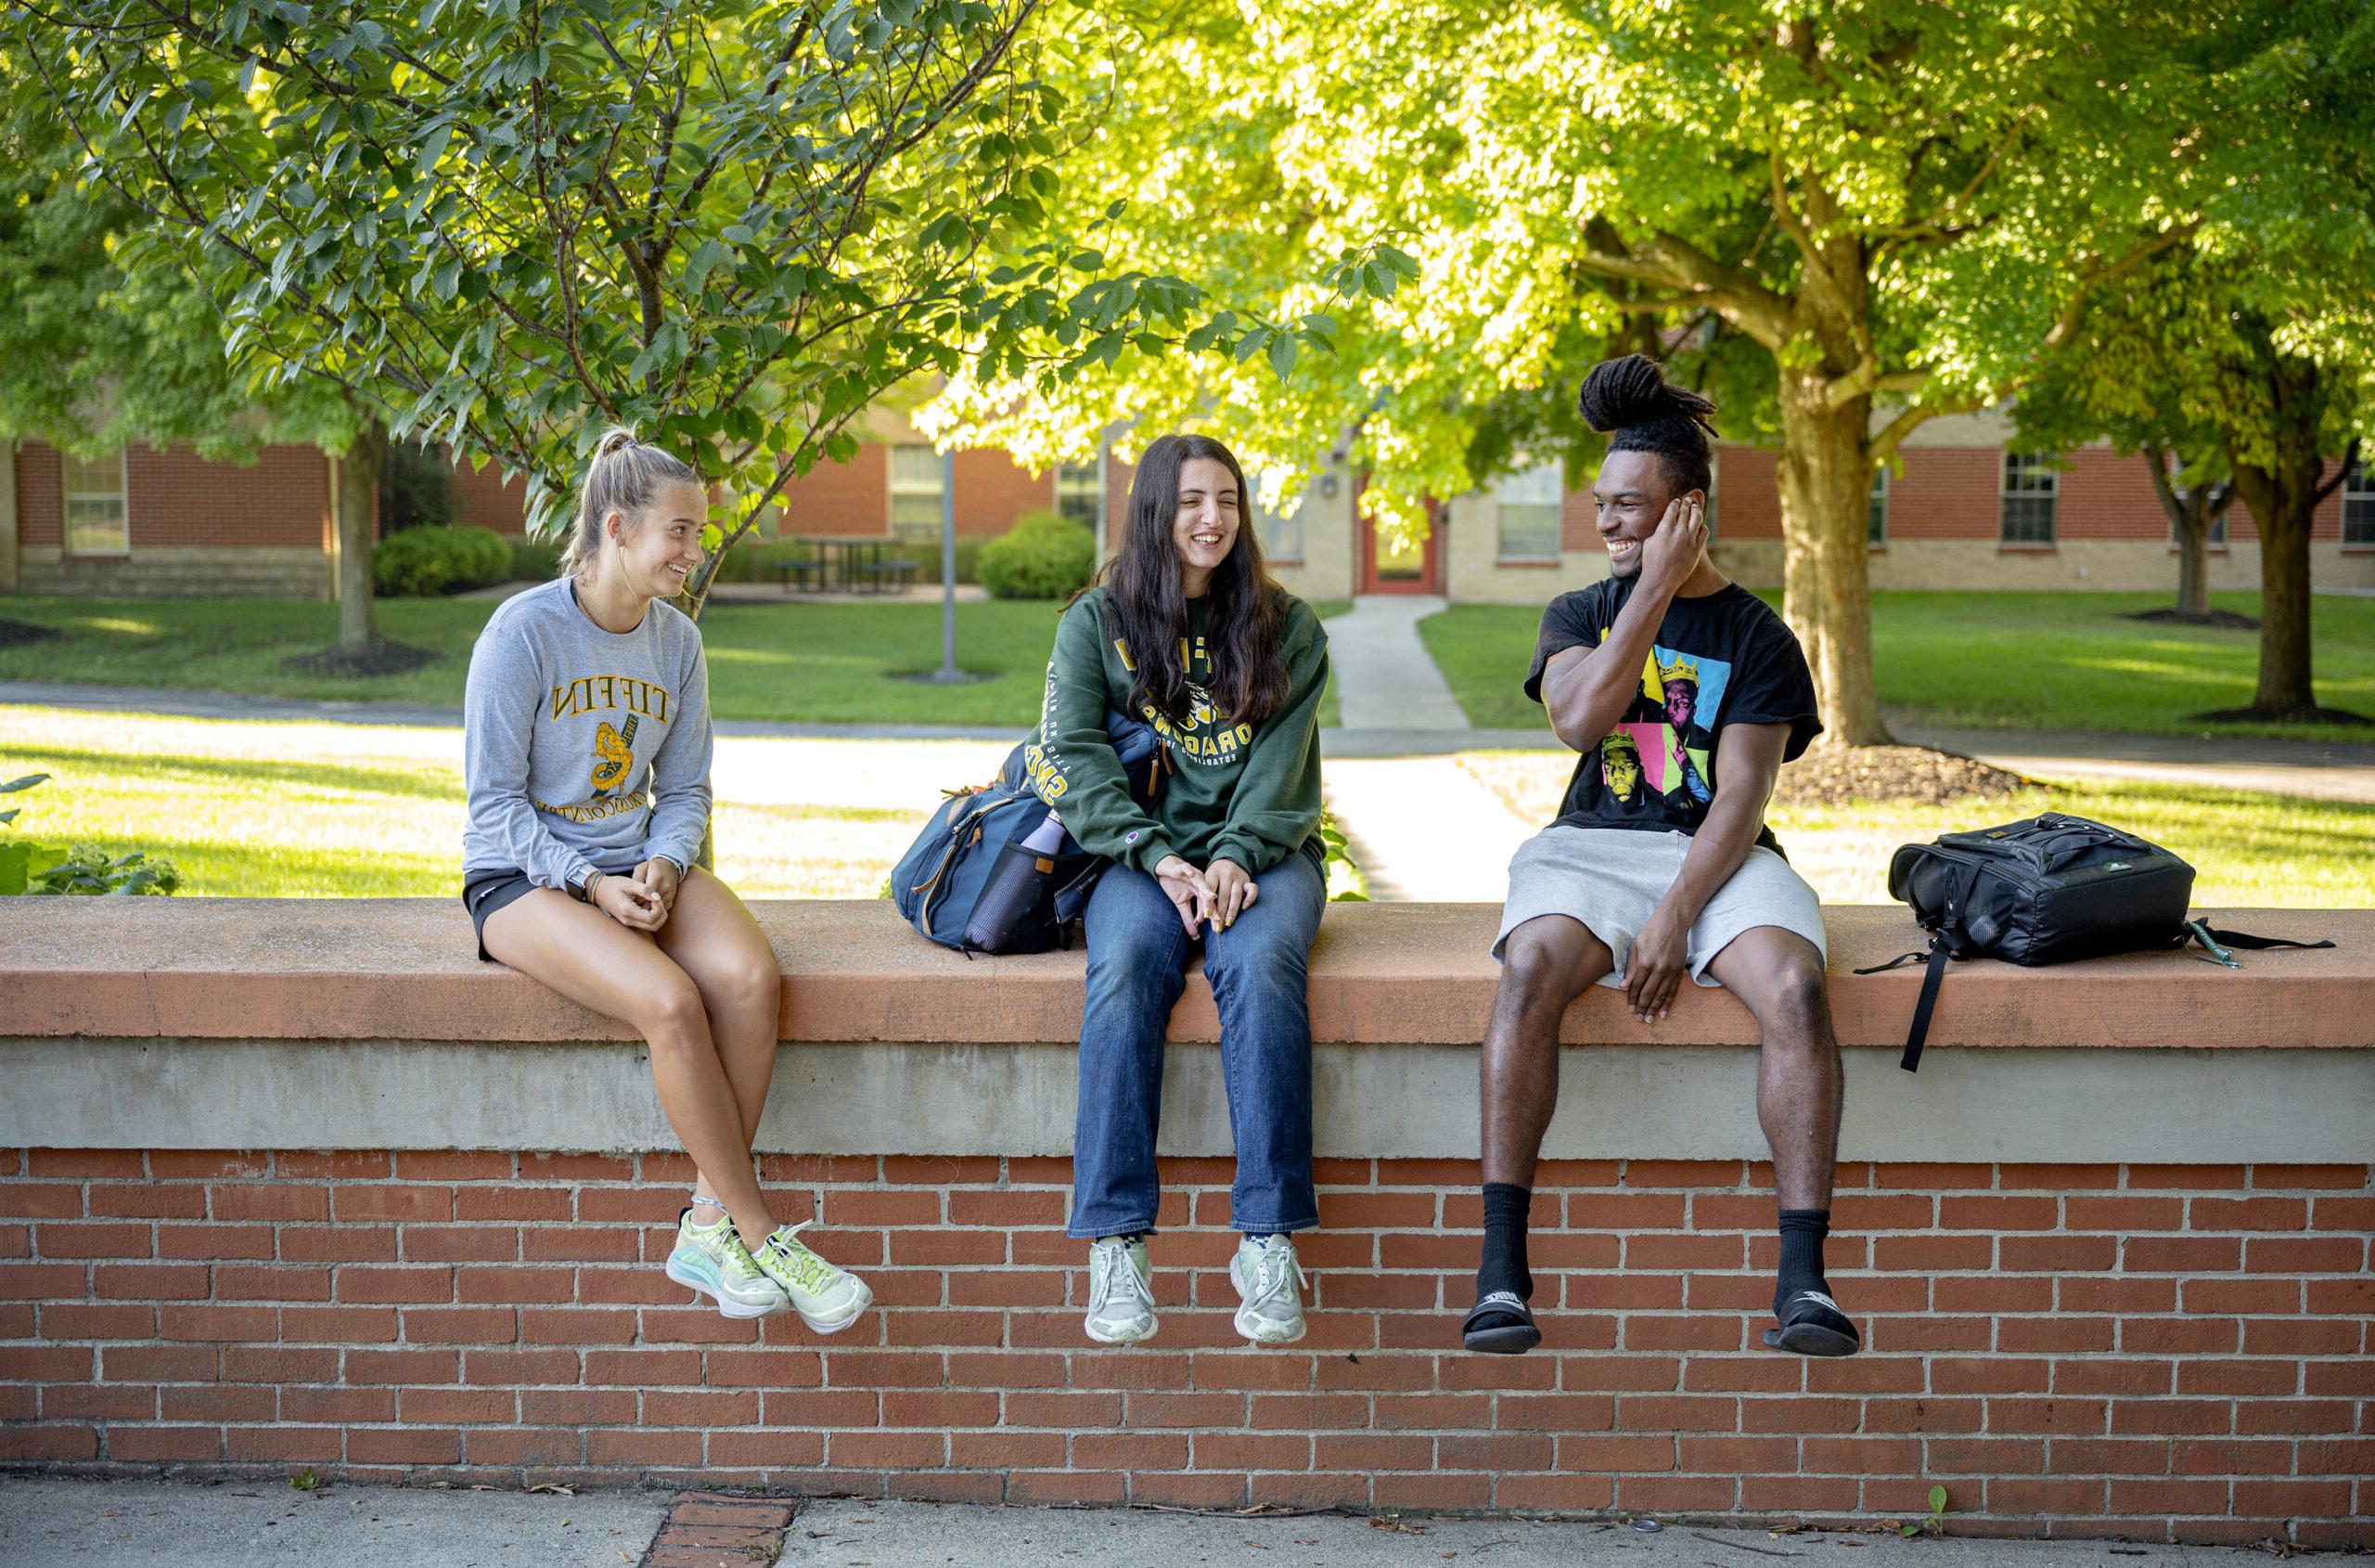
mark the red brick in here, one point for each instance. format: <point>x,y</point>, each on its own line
<point>2302,1336</point>
<point>2162,1497</point>
<point>1932,1177</point>
<point>2292,1499</point>
<point>2325,1213</point>
<point>1676,1494</point>
<point>459,1244</point>
<point>93,1401</point>
<point>504,1367</point>
<point>338,1325</point>
<point>165,1444</point>
<point>576,1407</point>
<point>264,1282</point>
<point>23,1200</point>
<point>392,1202</point>
<point>272,1203</point>
<point>2164,1336</point>
<point>2356,1297</point>
<point>338,1243</point>
<point>526,1447</point>
<point>93,1241</point>
<point>640,1368</point>
<point>2057,1254</point>
<point>522,1284</point>
<point>578,1243</point>
<point>1935,1415</point>
<point>2182,1255</point>
<point>1576,1494</point>
<point>2185,1178</point>
<point>2355,1378</point>
<point>2239,1377</point>
<point>511,1205</point>
<point>453,1164</point>
<point>184,1322</point>
<point>403,1445</point>
<point>123,1363</point>
<point>206,1165</point>
<point>2176,1418</point>
<point>1244,1451</point>
<point>402,1367</point>
<point>337,1407</point>
<point>283,1444</point>
<point>2252,1294</point>
<point>2029,1336</point>
<point>2282,1176</point>
<point>1736,1455</point>
<point>2054,1497</point>
<point>1998,1213</point>
<point>86,1165</point>
<point>886,1451</point>
<point>48,1443</point>
<point>149,1281</point>
<point>822,1409</point>
<point>89,1320</point>
<point>2124,1215</point>
<point>2045,1177</point>
<point>216,1402</point>
<point>1613,1452</point>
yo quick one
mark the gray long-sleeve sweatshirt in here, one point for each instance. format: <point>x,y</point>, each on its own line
<point>584,749</point>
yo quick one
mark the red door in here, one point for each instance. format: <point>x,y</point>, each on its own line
<point>1410,569</point>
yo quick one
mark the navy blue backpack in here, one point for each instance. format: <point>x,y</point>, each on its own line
<point>969,882</point>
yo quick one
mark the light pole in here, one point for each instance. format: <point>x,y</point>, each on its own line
<point>949,673</point>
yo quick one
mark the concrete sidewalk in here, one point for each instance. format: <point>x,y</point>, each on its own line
<point>262,1524</point>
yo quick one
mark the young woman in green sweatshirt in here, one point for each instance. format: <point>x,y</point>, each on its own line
<point>1186,631</point>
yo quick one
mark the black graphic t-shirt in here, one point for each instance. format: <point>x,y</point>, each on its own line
<point>1722,659</point>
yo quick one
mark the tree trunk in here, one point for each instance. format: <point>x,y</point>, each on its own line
<point>2194,555</point>
<point>358,497</point>
<point>1825,476</point>
<point>2281,498</point>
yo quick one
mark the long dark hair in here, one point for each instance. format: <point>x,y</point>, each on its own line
<point>1146,601</point>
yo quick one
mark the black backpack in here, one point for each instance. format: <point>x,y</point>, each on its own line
<point>969,882</point>
<point>2043,891</point>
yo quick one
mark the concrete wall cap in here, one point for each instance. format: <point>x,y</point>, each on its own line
<point>1386,974</point>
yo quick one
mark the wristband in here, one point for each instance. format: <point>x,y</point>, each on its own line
<point>584,891</point>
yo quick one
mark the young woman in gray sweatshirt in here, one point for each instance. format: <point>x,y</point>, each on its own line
<point>586,752</point>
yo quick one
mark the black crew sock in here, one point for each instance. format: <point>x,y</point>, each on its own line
<point>1504,1267</point>
<point>1801,1234</point>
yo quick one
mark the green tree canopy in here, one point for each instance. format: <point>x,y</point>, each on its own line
<point>1906,207</point>
<point>730,223</point>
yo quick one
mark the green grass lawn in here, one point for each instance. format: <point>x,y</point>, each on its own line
<point>793,664</point>
<point>2248,849</point>
<point>2040,661</point>
<point>266,809</point>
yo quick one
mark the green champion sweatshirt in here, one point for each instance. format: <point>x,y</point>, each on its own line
<point>1235,791</point>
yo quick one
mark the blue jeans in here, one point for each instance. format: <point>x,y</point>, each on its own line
<point>1137,965</point>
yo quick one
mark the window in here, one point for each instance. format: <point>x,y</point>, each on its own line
<point>1281,533</point>
<point>1077,488</point>
<point>915,492</point>
<point>96,520</point>
<point>2359,507</point>
<point>1529,504</point>
<point>2030,487</point>
<point>1876,509</point>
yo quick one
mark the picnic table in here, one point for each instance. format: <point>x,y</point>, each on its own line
<point>848,562</point>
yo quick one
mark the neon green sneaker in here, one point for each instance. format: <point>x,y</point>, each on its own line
<point>713,1260</point>
<point>827,1298</point>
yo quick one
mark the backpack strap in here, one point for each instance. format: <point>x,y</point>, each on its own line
<point>2215,942</point>
<point>1928,1001</point>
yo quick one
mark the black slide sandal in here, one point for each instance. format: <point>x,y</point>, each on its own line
<point>1511,1338</point>
<point>1815,1327</point>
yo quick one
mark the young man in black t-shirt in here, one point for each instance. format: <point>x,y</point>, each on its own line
<point>1684,694</point>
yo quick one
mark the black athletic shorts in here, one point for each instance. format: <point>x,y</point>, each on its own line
<point>485,892</point>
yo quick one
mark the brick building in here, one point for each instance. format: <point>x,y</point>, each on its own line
<point>1965,508</point>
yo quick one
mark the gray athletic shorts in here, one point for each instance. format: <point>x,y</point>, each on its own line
<point>1611,878</point>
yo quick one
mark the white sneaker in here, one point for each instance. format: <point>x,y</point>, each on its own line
<point>827,1298</point>
<point>1269,1281</point>
<point>1121,1307</point>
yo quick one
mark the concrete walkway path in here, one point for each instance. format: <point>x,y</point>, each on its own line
<point>1384,680</point>
<point>263,1524</point>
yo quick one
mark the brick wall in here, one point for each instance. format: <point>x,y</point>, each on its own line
<point>2146,1351</point>
<point>993,491</point>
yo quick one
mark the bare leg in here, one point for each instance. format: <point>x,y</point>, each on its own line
<point>714,940</point>
<point>1546,964</point>
<point>592,960</point>
<point>1800,1086</point>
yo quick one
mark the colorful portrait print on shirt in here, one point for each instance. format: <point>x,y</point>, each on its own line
<point>1664,741</point>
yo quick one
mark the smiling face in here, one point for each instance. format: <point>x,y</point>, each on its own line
<point>1204,522</point>
<point>1631,494</point>
<point>659,549</point>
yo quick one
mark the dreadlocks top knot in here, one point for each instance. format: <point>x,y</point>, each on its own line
<point>1631,400</point>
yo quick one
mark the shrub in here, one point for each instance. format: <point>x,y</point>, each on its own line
<point>416,488</point>
<point>1045,557</point>
<point>423,562</point>
<point>534,561</point>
